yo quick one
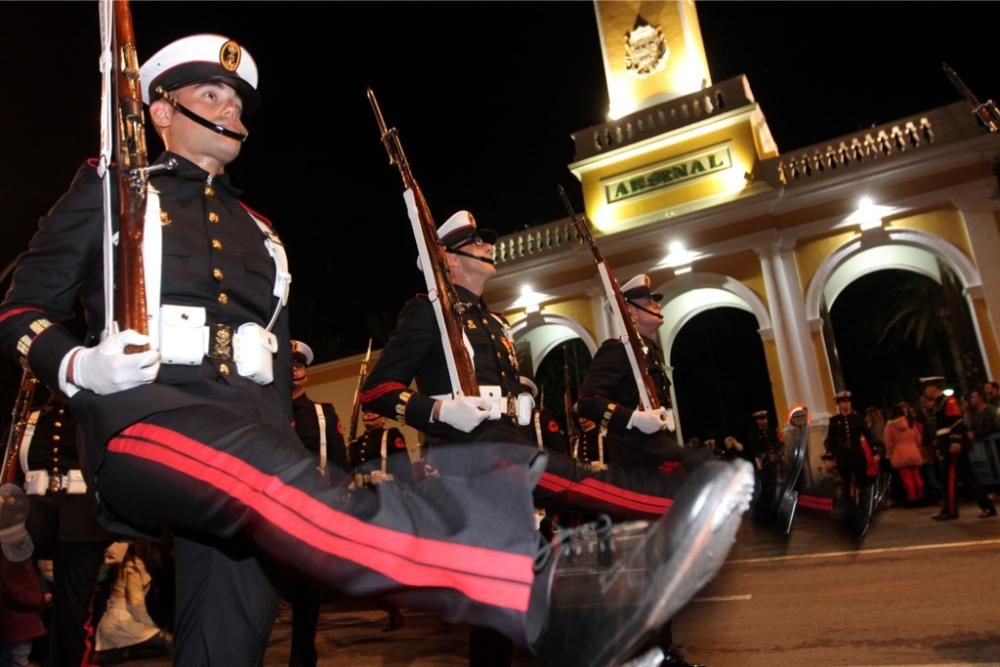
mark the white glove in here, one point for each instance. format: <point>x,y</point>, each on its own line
<point>106,369</point>
<point>648,421</point>
<point>464,413</point>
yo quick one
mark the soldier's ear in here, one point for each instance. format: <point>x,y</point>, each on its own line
<point>161,114</point>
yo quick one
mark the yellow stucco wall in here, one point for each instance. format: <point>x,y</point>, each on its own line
<point>611,217</point>
<point>944,223</point>
<point>811,253</point>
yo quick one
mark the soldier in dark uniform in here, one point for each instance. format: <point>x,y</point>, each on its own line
<point>317,424</point>
<point>320,430</point>
<point>415,351</point>
<point>636,438</point>
<point>768,454</point>
<point>844,447</point>
<point>370,454</point>
<point>544,430</point>
<point>192,436</point>
<point>63,526</point>
<point>946,431</point>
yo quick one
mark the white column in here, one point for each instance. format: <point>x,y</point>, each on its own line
<point>790,327</point>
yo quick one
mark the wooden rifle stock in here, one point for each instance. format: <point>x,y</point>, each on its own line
<point>635,347</point>
<point>352,433</point>
<point>19,420</point>
<point>131,175</point>
<point>440,289</point>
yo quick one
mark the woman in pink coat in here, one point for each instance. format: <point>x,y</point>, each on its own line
<point>902,444</point>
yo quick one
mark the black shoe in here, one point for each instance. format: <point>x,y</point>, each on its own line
<point>615,586</point>
<point>987,513</point>
<point>942,516</point>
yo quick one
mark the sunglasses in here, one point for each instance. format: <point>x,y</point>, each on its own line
<point>475,240</point>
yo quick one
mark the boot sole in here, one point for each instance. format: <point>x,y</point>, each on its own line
<point>695,555</point>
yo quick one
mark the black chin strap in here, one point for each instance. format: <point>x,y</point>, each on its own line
<point>645,310</point>
<point>484,260</point>
<point>204,122</point>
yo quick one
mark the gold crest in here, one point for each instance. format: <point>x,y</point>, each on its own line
<point>470,324</point>
<point>229,56</point>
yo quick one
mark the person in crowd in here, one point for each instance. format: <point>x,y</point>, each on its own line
<point>982,419</point>
<point>902,445</point>
<point>992,393</point>
<point>126,631</point>
<point>946,429</point>
<point>21,600</point>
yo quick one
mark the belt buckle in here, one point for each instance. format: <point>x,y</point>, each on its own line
<point>220,345</point>
<point>512,406</point>
<point>55,483</point>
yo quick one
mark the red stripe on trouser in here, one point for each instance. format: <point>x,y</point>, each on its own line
<point>278,505</point>
<point>608,493</point>
<point>951,502</point>
<point>816,503</point>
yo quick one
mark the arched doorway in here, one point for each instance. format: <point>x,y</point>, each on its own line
<point>892,326</point>
<point>564,366</point>
<point>720,374</point>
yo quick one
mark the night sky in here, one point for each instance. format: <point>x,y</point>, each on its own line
<point>485,97</point>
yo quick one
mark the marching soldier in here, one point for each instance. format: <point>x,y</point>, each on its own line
<point>946,430</point>
<point>370,455</point>
<point>544,430</point>
<point>317,424</point>
<point>414,351</point>
<point>320,430</point>
<point>370,452</point>
<point>194,434</point>
<point>63,525</point>
<point>636,438</point>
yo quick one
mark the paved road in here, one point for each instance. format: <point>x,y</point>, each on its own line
<point>916,592</point>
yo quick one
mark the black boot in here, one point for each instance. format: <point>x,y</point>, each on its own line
<point>614,586</point>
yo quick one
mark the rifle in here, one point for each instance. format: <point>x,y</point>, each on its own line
<point>19,420</point>
<point>635,347</point>
<point>122,110</point>
<point>986,112</point>
<point>440,289</point>
<point>573,430</point>
<point>352,433</point>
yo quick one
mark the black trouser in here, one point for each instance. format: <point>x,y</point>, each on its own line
<point>958,467</point>
<point>622,493</point>
<point>226,604</point>
<point>853,467</point>
<point>77,553</point>
<point>462,542</point>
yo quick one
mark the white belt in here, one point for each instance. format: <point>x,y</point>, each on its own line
<point>185,339</point>
<point>40,482</point>
<point>519,407</point>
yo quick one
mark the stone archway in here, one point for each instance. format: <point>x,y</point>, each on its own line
<point>692,295</point>
<point>910,251</point>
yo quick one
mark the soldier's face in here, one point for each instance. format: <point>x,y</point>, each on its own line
<point>647,318</point>
<point>214,101</point>
<point>844,407</point>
